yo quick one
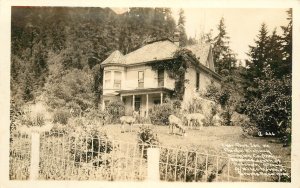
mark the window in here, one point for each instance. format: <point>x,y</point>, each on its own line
<point>117,80</point>
<point>160,77</point>
<point>197,81</point>
<point>107,78</point>
<point>141,79</point>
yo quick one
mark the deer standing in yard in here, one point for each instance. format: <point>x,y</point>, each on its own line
<point>175,121</point>
<point>128,120</point>
<point>195,117</point>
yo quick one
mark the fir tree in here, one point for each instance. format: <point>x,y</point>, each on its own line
<point>286,66</point>
<point>223,56</point>
<point>181,29</point>
<point>258,54</point>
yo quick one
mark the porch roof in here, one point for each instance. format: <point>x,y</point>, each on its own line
<point>145,91</point>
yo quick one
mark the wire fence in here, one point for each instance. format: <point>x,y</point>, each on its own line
<point>192,166</point>
<point>64,156</point>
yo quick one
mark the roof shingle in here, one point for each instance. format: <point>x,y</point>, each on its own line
<point>159,50</point>
<point>115,57</point>
<point>155,51</point>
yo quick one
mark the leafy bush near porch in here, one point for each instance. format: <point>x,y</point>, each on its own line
<point>115,109</point>
<point>159,114</point>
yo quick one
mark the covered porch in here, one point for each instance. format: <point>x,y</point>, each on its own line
<point>141,100</point>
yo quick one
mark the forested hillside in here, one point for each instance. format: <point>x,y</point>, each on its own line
<point>56,52</point>
<point>56,55</point>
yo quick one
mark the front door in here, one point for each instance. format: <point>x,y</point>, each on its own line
<point>137,104</point>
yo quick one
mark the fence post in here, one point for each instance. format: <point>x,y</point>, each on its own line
<point>153,164</point>
<point>35,156</point>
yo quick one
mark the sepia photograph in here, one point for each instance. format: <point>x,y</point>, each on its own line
<point>162,94</point>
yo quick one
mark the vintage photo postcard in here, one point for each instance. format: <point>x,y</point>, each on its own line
<point>120,94</point>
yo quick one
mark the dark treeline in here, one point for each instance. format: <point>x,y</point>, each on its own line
<point>54,50</point>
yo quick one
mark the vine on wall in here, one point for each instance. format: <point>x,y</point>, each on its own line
<point>176,69</point>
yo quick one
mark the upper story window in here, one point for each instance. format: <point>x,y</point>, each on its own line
<point>160,77</point>
<point>107,78</point>
<point>197,81</point>
<point>141,79</point>
<point>117,79</point>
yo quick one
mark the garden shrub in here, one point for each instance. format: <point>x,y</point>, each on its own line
<point>97,116</point>
<point>182,163</point>
<point>159,114</point>
<point>193,106</point>
<point>61,116</point>
<point>75,109</point>
<point>270,106</point>
<point>147,138</point>
<point>89,144</point>
<point>115,109</point>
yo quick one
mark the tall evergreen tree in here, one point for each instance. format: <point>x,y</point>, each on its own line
<point>258,54</point>
<point>223,56</point>
<point>181,28</point>
<point>274,54</point>
<point>286,65</point>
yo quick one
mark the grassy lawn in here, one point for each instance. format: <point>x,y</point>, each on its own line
<point>207,139</point>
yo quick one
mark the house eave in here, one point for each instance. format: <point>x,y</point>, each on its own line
<point>135,64</point>
<point>145,91</point>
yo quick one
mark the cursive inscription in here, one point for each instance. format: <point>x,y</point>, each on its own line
<point>254,160</point>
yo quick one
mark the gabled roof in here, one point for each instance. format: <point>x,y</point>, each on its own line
<point>160,50</point>
<point>116,57</point>
<point>202,52</point>
<point>155,51</point>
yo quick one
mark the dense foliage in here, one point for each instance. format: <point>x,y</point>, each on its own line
<point>147,138</point>
<point>159,114</point>
<point>271,109</point>
<point>115,110</point>
<point>56,51</point>
<point>176,69</point>
<point>269,86</point>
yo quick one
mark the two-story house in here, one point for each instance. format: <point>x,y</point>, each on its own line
<point>130,78</point>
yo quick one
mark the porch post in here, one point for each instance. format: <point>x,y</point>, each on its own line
<point>121,97</point>
<point>133,101</point>
<point>146,105</point>
<point>161,98</point>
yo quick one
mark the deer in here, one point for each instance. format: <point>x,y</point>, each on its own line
<point>175,121</point>
<point>196,117</point>
<point>128,120</point>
